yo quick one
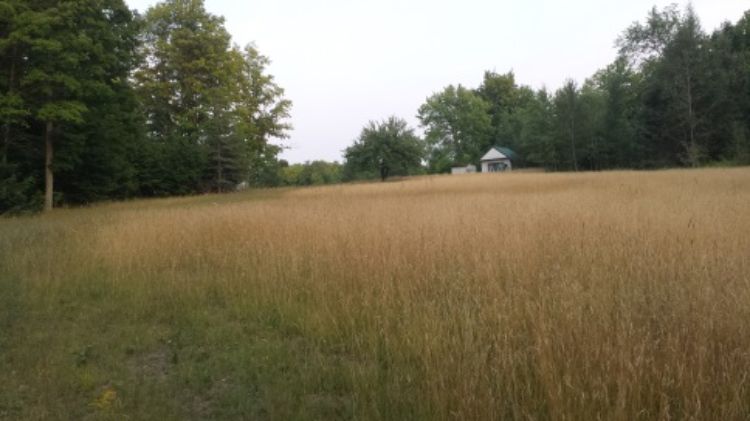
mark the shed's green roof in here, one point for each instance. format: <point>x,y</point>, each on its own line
<point>507,152</point>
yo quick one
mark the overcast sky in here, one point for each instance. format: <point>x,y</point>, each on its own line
<point>346,62</point>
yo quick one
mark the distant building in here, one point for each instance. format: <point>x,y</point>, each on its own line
<point>498,159</point>
<point>464,169</point>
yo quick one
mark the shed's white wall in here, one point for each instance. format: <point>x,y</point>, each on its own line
<point>486,164</point>
<point>469,169</point>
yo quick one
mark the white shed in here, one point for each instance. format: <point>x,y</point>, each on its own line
<point>468,169</point>
<point>498,159</point>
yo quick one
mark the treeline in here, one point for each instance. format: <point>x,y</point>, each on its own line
<point>97,102</point>
<point>675,96</point>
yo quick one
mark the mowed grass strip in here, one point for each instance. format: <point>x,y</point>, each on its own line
<point>619,296</point>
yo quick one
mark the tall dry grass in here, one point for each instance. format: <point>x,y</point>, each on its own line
<point>616,296</point>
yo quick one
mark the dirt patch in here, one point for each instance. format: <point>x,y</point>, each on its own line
<point>152,365</point>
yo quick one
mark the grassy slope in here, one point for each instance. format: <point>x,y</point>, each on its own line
<point>568,296</point>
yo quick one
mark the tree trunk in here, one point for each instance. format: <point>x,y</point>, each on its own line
<point>694,152</point>
<point>219,169</point>
<point>383,173</point>
<point>6,143</point>
<point>49,177</point>
<point>573,141</point>
<point>11,88</point>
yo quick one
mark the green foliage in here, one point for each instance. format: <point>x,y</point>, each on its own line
<point>621,145</point>
<point>261,117</point>
<point>64,71</point>
<point>182,85</point>
<point>384,149</point>
<point>536,141</point>
<point>568,113</point>
<point>670,50</point>
<point>124,106</point>
<point>211,109</point>
<point>17,195</point>
<point>313,173</point>
<point>741,144</point>
<point>506,99</point>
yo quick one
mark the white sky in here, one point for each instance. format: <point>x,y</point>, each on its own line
<point>346,62</point>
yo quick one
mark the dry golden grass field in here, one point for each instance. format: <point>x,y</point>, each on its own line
<point>610,296</point>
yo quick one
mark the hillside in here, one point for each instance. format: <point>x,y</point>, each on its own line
<point>620,295</point>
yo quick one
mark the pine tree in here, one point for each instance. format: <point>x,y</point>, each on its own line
<point>619,85</point>
<point>671,52</point>
<point>568,115</point>
<point>185,49</point>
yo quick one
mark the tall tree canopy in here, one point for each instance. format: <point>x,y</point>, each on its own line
<point>211,108</point>
<point>505,99</point>
<point>671,51</point>
<point>458,127</point>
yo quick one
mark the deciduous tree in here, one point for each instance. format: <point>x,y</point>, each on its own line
<point>384,148</point>
<point>458,127</point>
